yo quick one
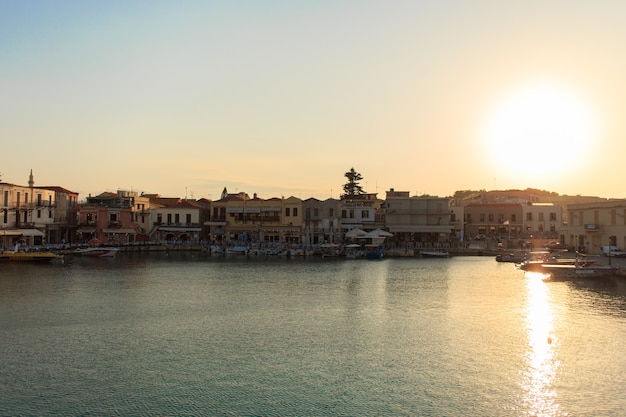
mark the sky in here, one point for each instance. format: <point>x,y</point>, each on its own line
<point>282,98</point>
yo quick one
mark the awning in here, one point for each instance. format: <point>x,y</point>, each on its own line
<point>420,229</point>
<point>9,233</point>
<point>120,231</point>
<point>31,232</point>
<point>21,232</point>
<point>87,230</point>
<point>179,229</point>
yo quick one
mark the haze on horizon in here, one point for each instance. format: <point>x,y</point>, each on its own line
<point>282,98</point>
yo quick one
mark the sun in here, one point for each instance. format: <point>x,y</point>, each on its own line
<point>539,130</point>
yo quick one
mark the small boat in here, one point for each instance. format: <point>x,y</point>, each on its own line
<point>578,270</point>
<point>97,251</point>
<point>237,250</point>
<point>353,251</point>
<point>374,251</point>
<point>512,257</point>
<point>330,250</point>
<point>23,256</point>
<point>434,254</point>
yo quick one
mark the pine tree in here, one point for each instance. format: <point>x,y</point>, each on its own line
<point>352,187</point>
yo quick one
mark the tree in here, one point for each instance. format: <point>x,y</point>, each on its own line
<point>352,187</point>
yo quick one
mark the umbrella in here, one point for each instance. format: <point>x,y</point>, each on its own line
<point>356,232</point>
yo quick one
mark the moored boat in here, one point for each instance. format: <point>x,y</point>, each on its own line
<point>97,251</point>
<point>578,270</point>
<point>434,254</point>
<point>374,251</point>
<point>23,256</point>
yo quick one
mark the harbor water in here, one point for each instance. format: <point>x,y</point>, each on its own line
<point>180,334</point>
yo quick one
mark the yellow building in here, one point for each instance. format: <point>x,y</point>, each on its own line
<point>593,225</point>
<point>237,218</point>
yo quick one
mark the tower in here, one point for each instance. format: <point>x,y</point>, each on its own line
<point>31,180</point>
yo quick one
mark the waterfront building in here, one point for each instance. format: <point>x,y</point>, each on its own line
<point>64,211</point>
<point>361,211</point>
<point>29,213</point>
<point>541,220</point>
<point>321,222</point>
<point>237,218</point>
<point>180,222</point>
<point>593,225</point>
<point>417,220</point>
<point>108,217</point>
<point>493,220</point>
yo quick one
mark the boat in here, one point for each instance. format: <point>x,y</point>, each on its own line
<point>353,251</point>
<point>30,256</point>
<point>434,254</point>
<point>330,250</point>
<point>578,270</point>
<point>96,251</point>
<point>512,257</point>
<point>237,250</point>
<point>374,251</point>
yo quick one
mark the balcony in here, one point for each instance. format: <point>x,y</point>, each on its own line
<point>593,227</point>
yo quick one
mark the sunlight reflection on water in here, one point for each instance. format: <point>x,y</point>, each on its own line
<point>538,378</point>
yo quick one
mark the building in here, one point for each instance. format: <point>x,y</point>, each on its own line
<point>593,225</point>
<point>322,221</point>
<point>29,214</point>
<point>237,218</point>
<point>417,220</point>
<point>182,222</point>
<point>108,218</point>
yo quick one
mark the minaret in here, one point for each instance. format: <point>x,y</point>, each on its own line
<point>31,181</point>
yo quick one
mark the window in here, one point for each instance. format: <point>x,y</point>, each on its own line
<point>490,217</point>
<point>331,212</point>
<point>39,200</point>
<point>482,217</point>
<point>39,214</point>
<point>159,218</point>
<point>295,211</point>
<point>365,214</point>
<point>344,214</point>
<point>513,218</point>
<point>352,214</point>
<point>188,218</point>
<point>316,212</point>
<point>287,212</point>
<point>529,217</point>
<point>6,216</point>
<point>6,199</point>
<point>553,217</point>
<point>169,218</point>
<point>113,217</point>
<point>177,218</point>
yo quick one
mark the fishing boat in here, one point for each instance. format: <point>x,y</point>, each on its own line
<point>97,251</point>
<point>23,256</point>
<point>374,251</point>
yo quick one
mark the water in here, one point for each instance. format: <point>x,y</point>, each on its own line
<point>184,335</point>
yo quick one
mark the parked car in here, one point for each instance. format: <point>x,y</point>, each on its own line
<point>480,237</point>
<point>553,246</point>
<point>613,251</point>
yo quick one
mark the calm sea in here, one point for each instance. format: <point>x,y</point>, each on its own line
<point>169,335</point>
